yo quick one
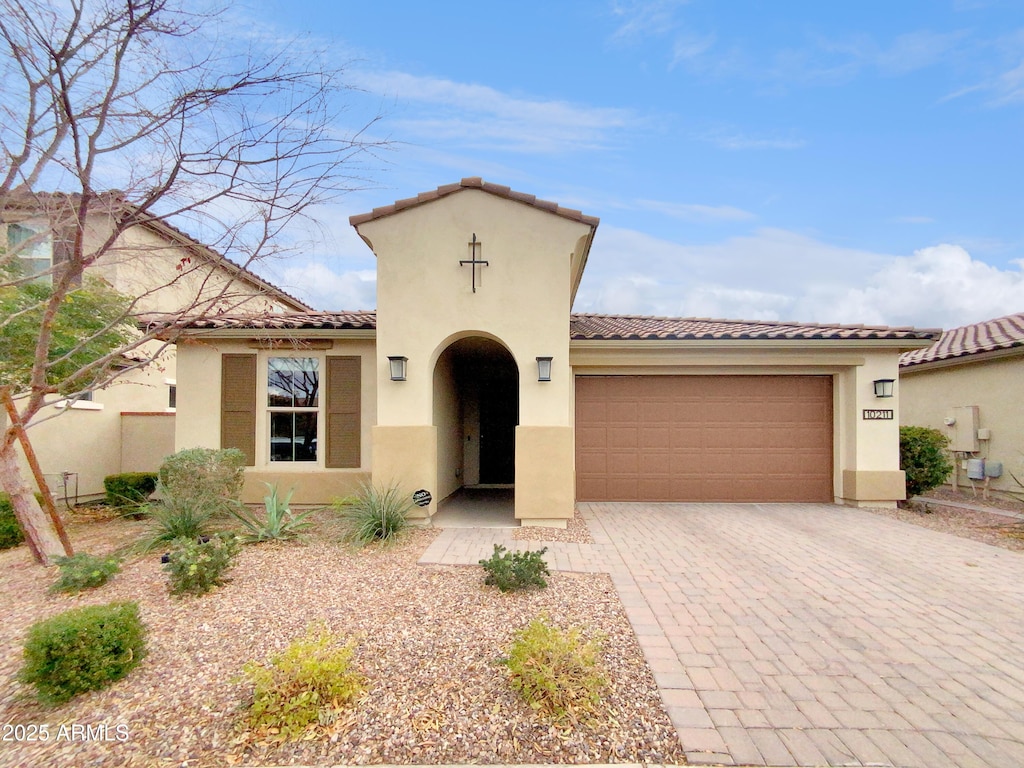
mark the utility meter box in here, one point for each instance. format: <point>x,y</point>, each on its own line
<point>964,430</point>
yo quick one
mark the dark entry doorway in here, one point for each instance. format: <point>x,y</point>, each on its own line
<point>499,414</point>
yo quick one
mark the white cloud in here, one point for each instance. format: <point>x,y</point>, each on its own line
<point>779,275</point>
<point>323,288</point>
<point>483,117</point>
<point>726,138</point>
<point>640,18</point>
<point>696,211</point>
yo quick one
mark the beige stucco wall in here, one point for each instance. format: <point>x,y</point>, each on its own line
<point>425,303</point>
<point>198,415</point>
<point>994,385</point>
<point>146,440</point>
<point>865,453</point>
<point>86,439</point>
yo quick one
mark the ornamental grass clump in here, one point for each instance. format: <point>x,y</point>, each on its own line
<point>514,571</point>
<point>196,566</point>
<point>277,523</point>
<point>83,649</point>
<point>84,571</point>
<point>558,673</point>
<point>308,684</point>
<point>374,514</point>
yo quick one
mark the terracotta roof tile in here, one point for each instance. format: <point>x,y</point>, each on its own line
<point>588,327</point>
<point>285,321</point>
<point>609,327</point>
<point>472,182</point>
<point>988,336</point>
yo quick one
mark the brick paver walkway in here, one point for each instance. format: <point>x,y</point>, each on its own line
<point>810,635</point>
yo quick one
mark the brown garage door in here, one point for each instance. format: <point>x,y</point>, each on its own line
<point>704,438</point>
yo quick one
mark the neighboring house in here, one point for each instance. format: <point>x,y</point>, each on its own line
<point>472,371</point>
<point>128,425</point>
<point>970,385</point>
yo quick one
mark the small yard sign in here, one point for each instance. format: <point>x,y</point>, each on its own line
<point>422,498</point>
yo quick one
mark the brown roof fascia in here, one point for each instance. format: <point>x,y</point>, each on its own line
<point>473,182</point>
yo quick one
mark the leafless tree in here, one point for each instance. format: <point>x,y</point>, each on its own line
<point>232,140</point>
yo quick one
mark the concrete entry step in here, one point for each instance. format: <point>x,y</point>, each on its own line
<point>478,507</point>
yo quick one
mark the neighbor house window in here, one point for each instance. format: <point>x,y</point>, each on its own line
<point>293,401</point>
<point>32,248</point>
<point>172,396</point>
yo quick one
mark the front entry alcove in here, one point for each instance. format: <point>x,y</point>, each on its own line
<point>476,410</point>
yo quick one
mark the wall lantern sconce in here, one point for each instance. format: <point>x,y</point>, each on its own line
<point>543,369</point>
<point>883,387</point>
<point>397,367</point>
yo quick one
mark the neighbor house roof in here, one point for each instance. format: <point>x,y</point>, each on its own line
<point>473,182</point>
<point>591,327</point>
<point>54,202</point>
<point>1002,333</point>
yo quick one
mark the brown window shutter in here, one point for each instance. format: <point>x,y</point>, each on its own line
<point>343,412</point>
<point>238,405</point>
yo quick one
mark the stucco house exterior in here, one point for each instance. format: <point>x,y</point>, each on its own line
<point>128,425</point>
<point>969,384</point>
<point>473,371</point>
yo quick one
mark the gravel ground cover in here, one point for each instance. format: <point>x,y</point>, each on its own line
<point>429,639</point>
<point>988,527</point>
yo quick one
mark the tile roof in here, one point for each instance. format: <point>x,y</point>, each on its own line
<point>608,327</point>
<point>286,321</point>
<point>472,182</point>
<point>586,327</point>
<point>988,336</point>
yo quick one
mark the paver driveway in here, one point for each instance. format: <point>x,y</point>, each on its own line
<point>811,634</point>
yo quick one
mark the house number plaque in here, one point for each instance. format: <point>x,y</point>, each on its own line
<point>876,414</point>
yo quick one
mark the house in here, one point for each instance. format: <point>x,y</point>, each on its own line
<point>969,385</point>
<point>473,371</point>
<point>129,425</point>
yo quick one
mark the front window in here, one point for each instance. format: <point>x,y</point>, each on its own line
<point>33,249</point>
<point>293,399</point>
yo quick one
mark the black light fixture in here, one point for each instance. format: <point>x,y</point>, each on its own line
<point>883,387</point>
<point>543,369</point>
<point>397,367</point>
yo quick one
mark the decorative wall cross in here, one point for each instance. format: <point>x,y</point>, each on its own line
<point>474,260</point>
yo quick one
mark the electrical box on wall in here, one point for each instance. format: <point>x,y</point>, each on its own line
<point>964,429</point>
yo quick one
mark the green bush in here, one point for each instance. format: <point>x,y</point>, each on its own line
<point>204,476</point>
<point>277,523</point>
<point>196,565</point>
<point>84,571</point>
<point>11,534</point>
<point>308,684</point>
<point>513,571</point>
<point>129,488</point>
<point>924,459</point>
<point>83,649</point>
<point>374,514</point>
<point>557,672</point>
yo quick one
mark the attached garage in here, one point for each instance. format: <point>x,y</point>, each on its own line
<point>704,438</point>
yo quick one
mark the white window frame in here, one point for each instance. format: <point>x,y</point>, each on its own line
<point>263,411</point>
<point>40,251</point>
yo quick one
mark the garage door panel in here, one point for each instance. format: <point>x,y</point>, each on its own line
<point>705,438</point>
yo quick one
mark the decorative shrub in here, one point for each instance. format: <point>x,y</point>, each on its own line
<point>924,459</point>
<point>84,571</point>
<point>557,672</point>
<point>374,514</point>
<point>83,649</point>
<point>204,475</point>
<point>278,522</point>
<point>196,565</point>
<point>513,571</point>
<point>11,534</point>
<point>129,488</point>
<point>306,685</point>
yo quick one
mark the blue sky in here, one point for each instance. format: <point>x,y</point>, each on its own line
<point>825,162</point>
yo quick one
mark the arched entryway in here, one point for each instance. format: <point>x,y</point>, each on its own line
<point>476,410</point>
